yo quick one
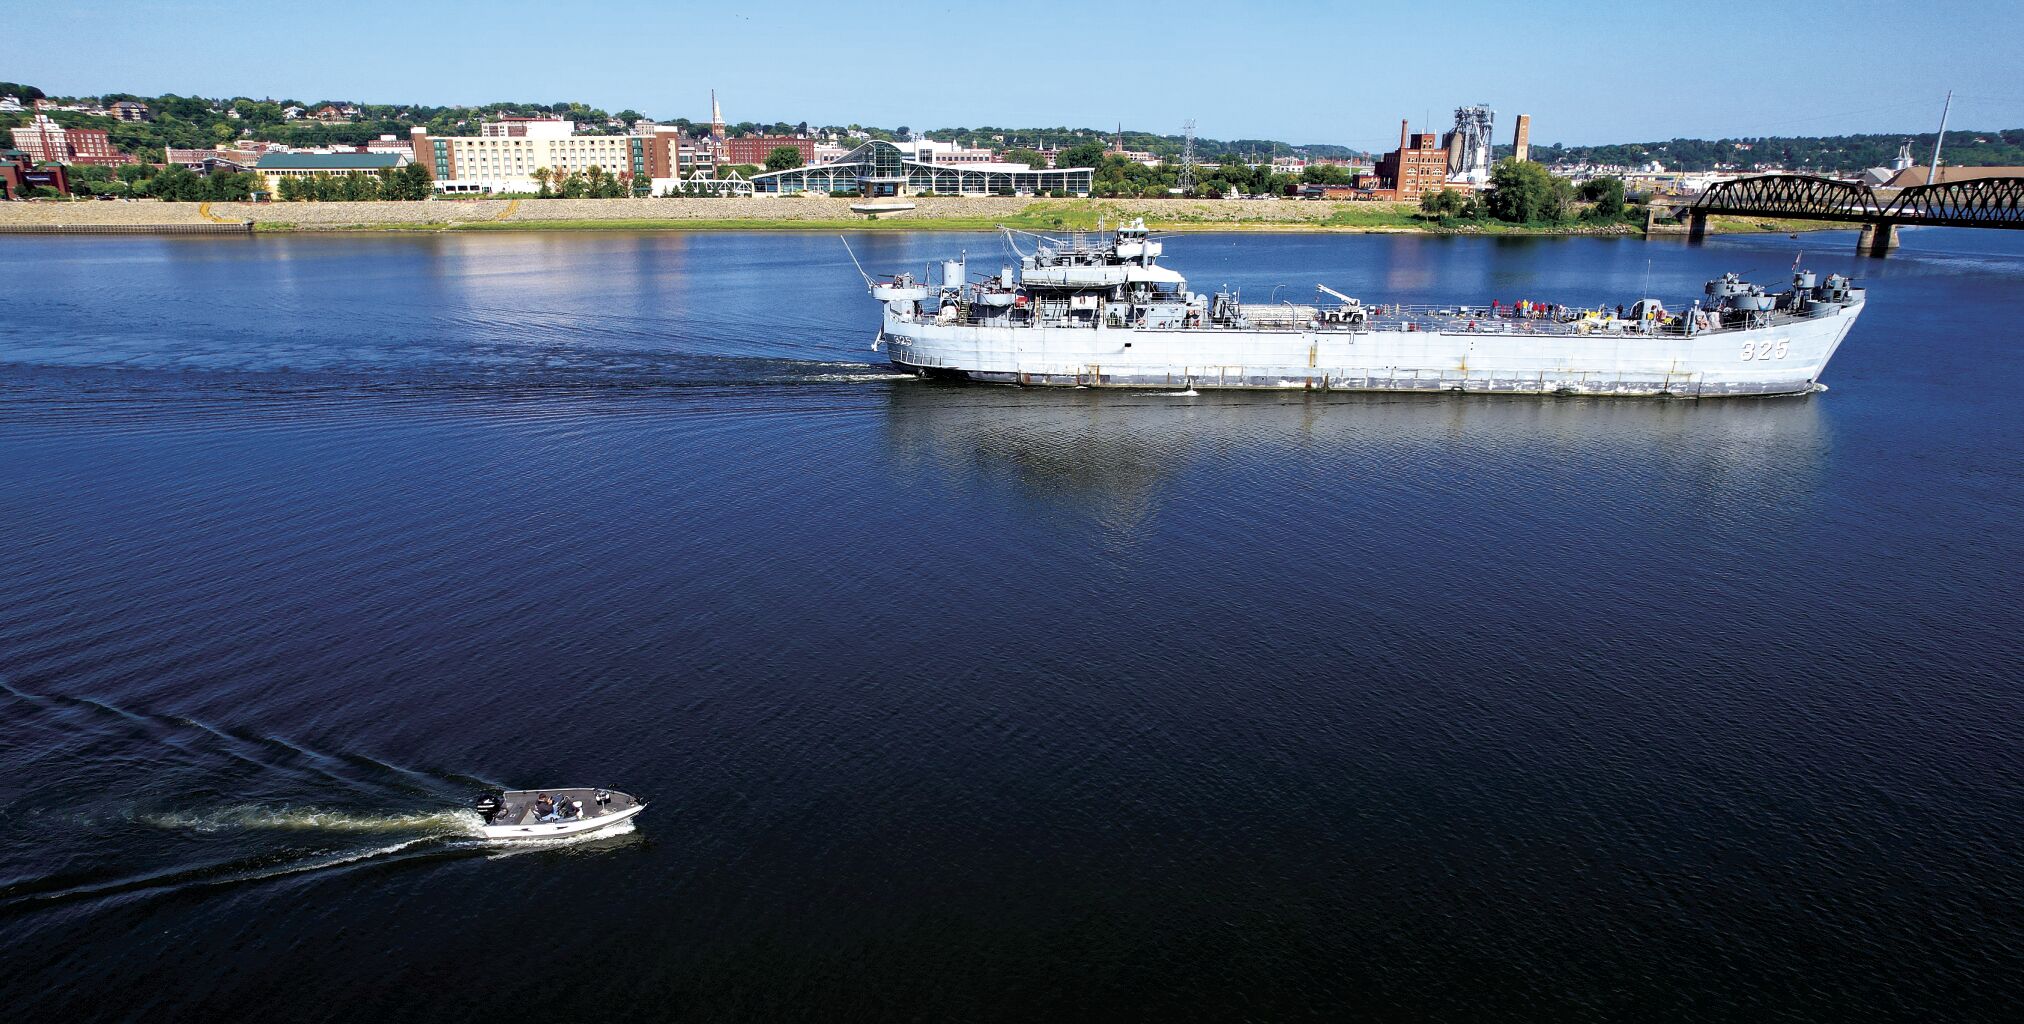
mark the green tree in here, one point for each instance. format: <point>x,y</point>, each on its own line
<point>230,186</point>
<point>1029,157</point>
<point>1325,174</point>
<point>358,186</point>
<point>1523,192</point>
<point>1606,193</point>
<point>1085,154</point>
<point>255,113</point>
<point>595,182</point>
<point>1442,203</point>
<point>290,190</point>
<point>416,184</point>
<point>176,184</point>
<point>783,158</point>
<point>542,176</point>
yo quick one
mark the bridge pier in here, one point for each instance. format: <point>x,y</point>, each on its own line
<point>1878,238</point>
<point>1697,227</point>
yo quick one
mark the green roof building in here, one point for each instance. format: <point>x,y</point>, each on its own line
<point>273,167</point>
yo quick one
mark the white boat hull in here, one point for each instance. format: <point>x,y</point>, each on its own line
<point>560,829</point>
<point>1783,358</point>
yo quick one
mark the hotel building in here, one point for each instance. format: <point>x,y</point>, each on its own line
<point>505,158</point>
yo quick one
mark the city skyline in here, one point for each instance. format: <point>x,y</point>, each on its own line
<point>665,62</point>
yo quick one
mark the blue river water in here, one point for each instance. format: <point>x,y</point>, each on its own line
<point>966,703</point>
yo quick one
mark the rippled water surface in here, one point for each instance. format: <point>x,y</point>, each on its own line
<point>985,704</point>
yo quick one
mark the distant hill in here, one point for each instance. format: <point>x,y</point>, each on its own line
<point>1830,154</point>
<point>197,121</point>
<point>1206,149</point>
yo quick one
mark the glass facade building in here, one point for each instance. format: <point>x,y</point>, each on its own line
<point>879,168</point>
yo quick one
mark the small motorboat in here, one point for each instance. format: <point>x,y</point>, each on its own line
<point>514,814</point>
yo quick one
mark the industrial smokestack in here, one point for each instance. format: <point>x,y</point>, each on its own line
<point>1521,140</point>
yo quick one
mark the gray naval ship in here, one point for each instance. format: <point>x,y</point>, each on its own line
<point>1099,311</point>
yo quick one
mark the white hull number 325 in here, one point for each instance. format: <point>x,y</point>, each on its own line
<point>1766,349</point>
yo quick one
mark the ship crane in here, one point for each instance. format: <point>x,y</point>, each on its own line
<point>1352,309</point>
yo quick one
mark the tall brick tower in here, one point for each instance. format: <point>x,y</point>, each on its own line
<point>1521,141</point>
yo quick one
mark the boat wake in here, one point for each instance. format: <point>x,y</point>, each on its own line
<point>311,819</point>
<point>206,806</point>
<point>258,868</point>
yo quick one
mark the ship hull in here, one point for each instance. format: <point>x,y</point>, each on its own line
<point>1785,358</point>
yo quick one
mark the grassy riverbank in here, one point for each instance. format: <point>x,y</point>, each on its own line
<point>943,213</point>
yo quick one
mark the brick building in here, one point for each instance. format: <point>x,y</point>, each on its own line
<point>18,173</point>
<point>1420,163</point>
<point>752,149</point>
<point>45,141</point>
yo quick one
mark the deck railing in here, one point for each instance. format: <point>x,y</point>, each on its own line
<point>1451,319</point>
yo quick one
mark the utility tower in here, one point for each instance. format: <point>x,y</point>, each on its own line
<point>1187,182</point>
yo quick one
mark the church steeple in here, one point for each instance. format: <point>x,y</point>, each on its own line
<point>716,119</point>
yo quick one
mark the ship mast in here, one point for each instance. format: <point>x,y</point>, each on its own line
<point>1933,172</point>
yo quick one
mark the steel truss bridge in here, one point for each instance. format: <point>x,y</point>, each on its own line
<point>1973,203</point>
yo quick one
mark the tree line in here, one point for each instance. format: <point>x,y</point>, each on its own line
<point>592,182</point>
<point>1525,192</point>
<point>400,184</point>
<point>1120,177</point>
<point>173,183</point>
<point>1824,153</point>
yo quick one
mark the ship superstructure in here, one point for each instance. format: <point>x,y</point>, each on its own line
<point>1102,312</point>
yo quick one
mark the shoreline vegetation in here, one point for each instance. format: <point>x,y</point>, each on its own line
<point>931,213</point>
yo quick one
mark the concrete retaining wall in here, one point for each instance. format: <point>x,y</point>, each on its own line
<point>782,210</point>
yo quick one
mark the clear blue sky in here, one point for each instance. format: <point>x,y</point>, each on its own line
<point>1303,72</point>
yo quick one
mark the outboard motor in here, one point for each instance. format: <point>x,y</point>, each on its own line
<point>488,805</point>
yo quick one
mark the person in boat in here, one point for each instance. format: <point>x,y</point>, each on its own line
<point>544,808</point>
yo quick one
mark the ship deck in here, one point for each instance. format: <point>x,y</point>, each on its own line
<point>1449,319</point>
